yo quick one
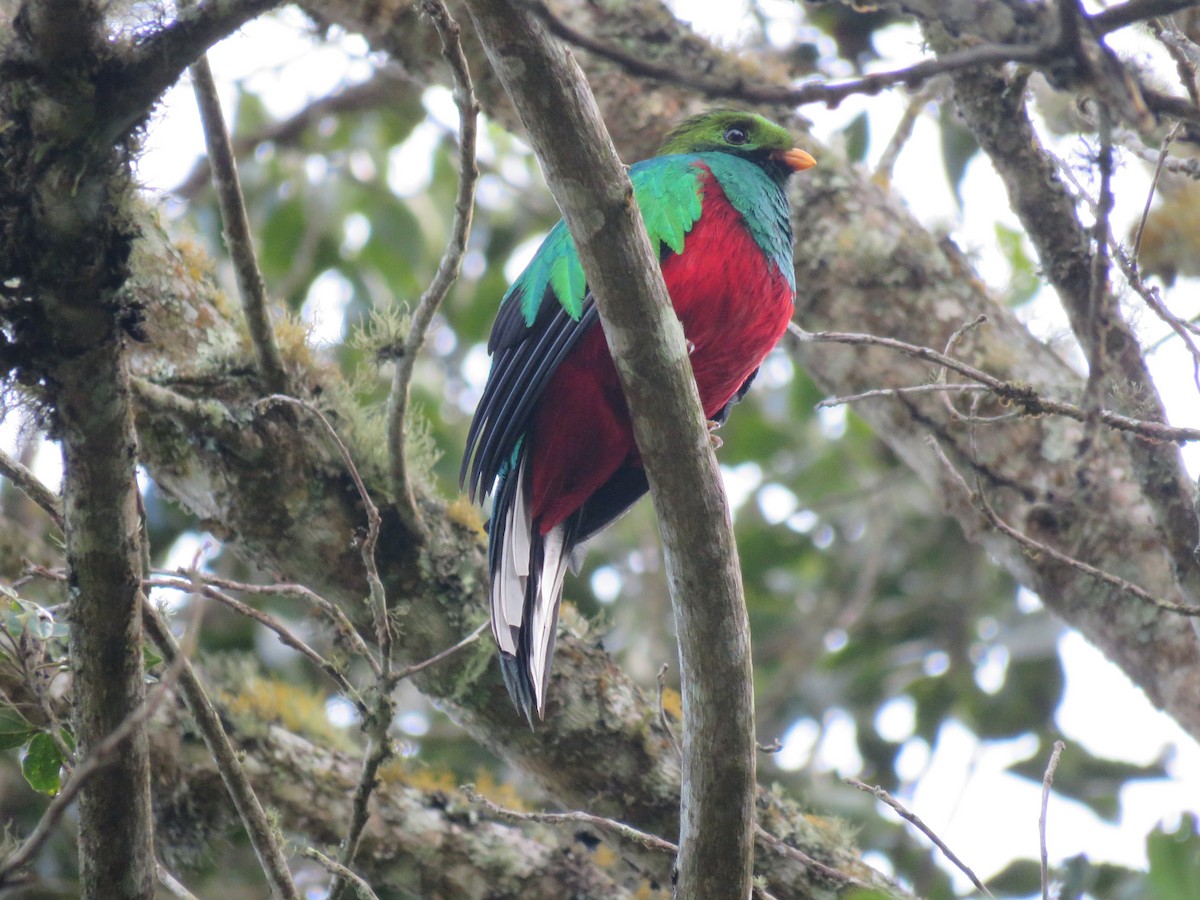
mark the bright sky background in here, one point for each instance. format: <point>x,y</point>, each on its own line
<point>958,786</point>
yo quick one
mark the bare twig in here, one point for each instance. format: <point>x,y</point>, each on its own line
<point>471,638</point>
<point>832,94</point>
<point>29,484</point>
<point>383,631</point>
<point>447,270</point>
<point>262,836</point>
<point>1035,547</point>
<point>237,229</point>
<point>1047,781</point>
<point>173,885</point>
<point>375,725</point>
<point>288,637</point>
<point>782,846</point>
<point>904,129</point>
<point>1020,395</point>
<point>386,87</point>
<point>1095,333</point>
<point>620,829</point>
<point>830,402</point>
<point>345,628</point>
<point>1158,168</point>
<point>364,890</point>
<point>915,820</point>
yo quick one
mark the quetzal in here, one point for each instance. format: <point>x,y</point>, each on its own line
<point>552,433</point>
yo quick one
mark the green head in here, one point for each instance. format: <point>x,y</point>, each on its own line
<point>740,133</point>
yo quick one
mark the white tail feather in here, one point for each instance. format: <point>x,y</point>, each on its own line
<point>545,611</point>
<point>508,590</point>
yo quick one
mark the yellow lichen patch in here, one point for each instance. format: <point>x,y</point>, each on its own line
<point>502,793</point>
<point>292,336</point>
<point>463,512</point>
<point>605,857</point>
<point>672,702</point>
<point>197,264</point>
<point>425,778</point>
<point>296,708</point>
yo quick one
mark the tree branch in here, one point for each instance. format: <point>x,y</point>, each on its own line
<point>155,63</point>
<point>236,229</point>
<point>262,836</point>
<point>28,483</point>
<point>716,832</point>
<point>448,267</point>
<point>999,120</point>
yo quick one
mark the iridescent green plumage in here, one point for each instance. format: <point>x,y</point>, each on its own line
<point>668,189</point>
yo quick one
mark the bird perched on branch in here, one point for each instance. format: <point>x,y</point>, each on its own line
<point>552,437</point>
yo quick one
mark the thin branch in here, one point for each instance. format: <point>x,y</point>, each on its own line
<point>620,829</point>
<point>1037,548</point>
<point>830,402</point>
<point>1135,11</point>
<point>1047,781</point>
<point>284,634</point>
<point>880,794</point>
<point>375,725</point>
<point>1158,168</point>
<point>31,486</point>
<point>386,87</point>
<point>904,129</point>
<point>263,838</point>
<point>782,846</point>
<point>383,631</point>
<point>173,885</point>
<point>448,267</point>
<point>344,874</point>
<point>833,94</point>
<point>780,95</point>
<point>471,638</point>
<point>1020,395</point>
<point>236,229</point>
<point>345,628</point>
<point>1096,324</point>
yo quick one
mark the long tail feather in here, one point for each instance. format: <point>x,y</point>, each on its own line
<point>527,572</point>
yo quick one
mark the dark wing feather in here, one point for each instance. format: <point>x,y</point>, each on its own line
<point>520,372</point>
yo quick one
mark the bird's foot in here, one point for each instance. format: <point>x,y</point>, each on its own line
<point>713,437</point>
<point>691,347</point>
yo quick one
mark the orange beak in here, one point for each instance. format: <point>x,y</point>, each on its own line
<point>795,159</point>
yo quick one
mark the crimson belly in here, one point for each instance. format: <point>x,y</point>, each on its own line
<point>734,305</point>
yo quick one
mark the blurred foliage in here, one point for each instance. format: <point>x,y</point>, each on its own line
<point>865,599</point>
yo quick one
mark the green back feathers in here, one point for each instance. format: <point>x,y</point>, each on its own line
<point>735,146</point>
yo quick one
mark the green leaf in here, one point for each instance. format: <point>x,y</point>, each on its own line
<point>42,764</point>
<point>858,137</point>
<point>1025,282</point>
<point>14,730</point>
<point>26,617</point>
<point>1174,862</point>
<point>958,148</point>
<point>150,659</point>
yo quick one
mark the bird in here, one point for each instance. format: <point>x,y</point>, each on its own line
<point>551,438</point>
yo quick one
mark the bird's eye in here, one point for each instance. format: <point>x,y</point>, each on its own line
<point>735,134</point>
